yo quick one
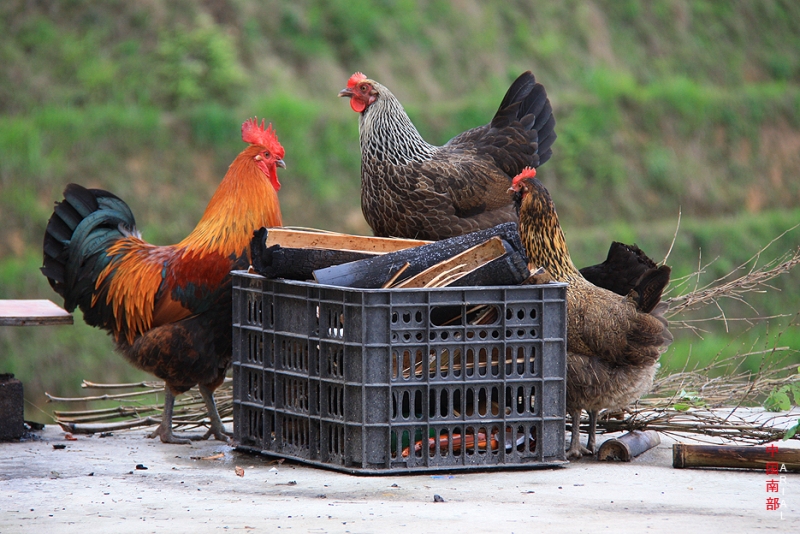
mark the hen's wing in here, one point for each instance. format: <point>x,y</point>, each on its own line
<point>611,327</point>
<point>146,286</point>
<point>454,193</point>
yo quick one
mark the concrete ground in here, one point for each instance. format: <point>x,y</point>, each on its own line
<point>127,483</point>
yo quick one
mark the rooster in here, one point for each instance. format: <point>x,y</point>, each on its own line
<point>613,341</point>
<point>412,189</point>
<point>168,308</point>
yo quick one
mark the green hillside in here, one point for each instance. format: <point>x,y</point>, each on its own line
<point>665,110</point>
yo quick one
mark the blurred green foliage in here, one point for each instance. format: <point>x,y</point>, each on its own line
<point>662,107</point>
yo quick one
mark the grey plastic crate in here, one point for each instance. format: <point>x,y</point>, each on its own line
<point>397,380</point>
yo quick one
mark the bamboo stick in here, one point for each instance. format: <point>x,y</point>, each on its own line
<point>735,456</point>
<point>628,446</point>
<point>146,384</point>
<point>107,427</point>
<point>52,398</point>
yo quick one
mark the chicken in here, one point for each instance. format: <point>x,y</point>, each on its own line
<point>613,341</point>
<point>412,189</point>
<point>168,308</point>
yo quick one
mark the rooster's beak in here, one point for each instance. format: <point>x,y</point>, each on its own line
<point>346,92</point>
<point>280,163</point>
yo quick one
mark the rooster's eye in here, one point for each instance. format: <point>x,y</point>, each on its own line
<point>266,154</point>
<point>364,88</point>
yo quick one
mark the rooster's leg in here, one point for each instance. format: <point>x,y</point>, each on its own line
<point>217,429</point>
<point>164,430</point>
<point>592,431</point>
<point>576,451</point>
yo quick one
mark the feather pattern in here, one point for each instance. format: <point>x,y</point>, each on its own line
<point>613,341</point>
<point>413,189</point>
<point>167,307</point>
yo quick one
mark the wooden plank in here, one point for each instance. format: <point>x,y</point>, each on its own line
<point>464,262</point>
<point>374,272</point>
<point>735,456</point>
<point>32,313</point>
<point>289,238</point>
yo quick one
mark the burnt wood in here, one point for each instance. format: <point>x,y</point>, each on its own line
<point>373,273</point>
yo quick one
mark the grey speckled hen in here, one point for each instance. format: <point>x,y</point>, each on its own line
<point>412,189</point>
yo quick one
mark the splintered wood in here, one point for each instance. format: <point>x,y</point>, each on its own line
<point>489,257</point>
<point>448,271</point>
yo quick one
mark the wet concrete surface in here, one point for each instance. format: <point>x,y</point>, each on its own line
<point>128,483</point>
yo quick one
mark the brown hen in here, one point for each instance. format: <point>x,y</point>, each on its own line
<point>613,341</point>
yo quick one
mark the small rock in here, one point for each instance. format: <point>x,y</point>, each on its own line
<point>437,498</point>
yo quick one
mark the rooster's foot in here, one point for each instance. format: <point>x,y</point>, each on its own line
<point>219,434</point>
<point>167,436</point>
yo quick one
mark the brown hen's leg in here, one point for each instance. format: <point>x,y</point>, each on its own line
<point>592,431</point>
<point>217,429</point>
<point>576,451</point>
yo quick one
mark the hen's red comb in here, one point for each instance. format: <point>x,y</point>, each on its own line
<point>255,134</point>
<point>527,172</point>
<point>355,79</point>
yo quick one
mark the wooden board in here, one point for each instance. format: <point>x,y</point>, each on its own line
<point>288,238</point>
<point>32,313</point>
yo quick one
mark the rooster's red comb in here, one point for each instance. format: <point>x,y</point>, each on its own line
<point>527,172</point>
<point>255,134</point>
<point>355,79</point>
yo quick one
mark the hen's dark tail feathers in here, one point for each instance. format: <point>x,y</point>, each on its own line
<point>526,101</point>
<point>650,287</point>
<point>621,271</point>
<point>77,236</point>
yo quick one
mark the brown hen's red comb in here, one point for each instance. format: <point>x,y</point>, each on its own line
<point>527,172</point>
<point>355,79</point>
<point>256,135</point>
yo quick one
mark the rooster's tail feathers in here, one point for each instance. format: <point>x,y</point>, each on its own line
<point>77,236</point>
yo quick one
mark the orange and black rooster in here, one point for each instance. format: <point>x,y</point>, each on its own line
<point>167,307</point>
<point>613,341</point>
<point>412,189</point>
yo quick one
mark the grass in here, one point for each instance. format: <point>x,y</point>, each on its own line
<point>661,108</point>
